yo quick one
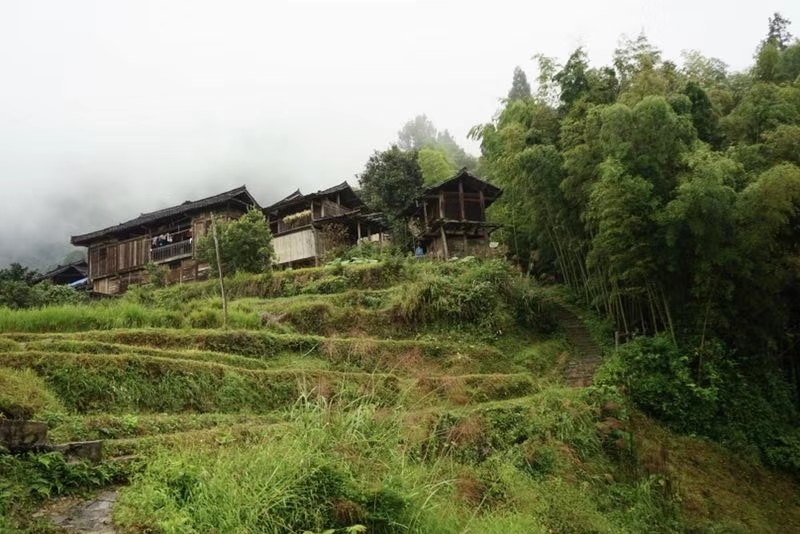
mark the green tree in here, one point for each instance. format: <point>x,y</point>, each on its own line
<point>573,79</point>
<point>16,287</point>
<point>621,214</point>
<point>705,71</point>
<point>608,189</point>
<point>417,133</point>
<point>547,91</point>
<point>391,180</point>
<point>17,272</point>
<point>520,88</point>
<point>245,244</point>
<point>701,248</point>
<point>778,32</point>
<point>768,62</point>
<point>762,108</point>
<point>435,165</point>
<point>783,144</point>
<point>456,155</point>
<point>704,118</point>
<point>634,55</point>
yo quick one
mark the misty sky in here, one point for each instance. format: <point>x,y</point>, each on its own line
<point>112,108</point>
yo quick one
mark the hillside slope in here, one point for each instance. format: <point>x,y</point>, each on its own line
<point>401,396</point>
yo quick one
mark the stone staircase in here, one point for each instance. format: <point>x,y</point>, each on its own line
<point>587,353</point>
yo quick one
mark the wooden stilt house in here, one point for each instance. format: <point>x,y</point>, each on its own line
<point>449,217</point>
<point>118,255</point>
<point>305,226</point>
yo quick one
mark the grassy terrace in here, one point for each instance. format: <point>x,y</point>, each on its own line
<point>405,397</point>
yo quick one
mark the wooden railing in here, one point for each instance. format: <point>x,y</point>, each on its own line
<point>171,252</point>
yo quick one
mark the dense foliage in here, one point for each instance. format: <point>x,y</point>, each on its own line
<point>19,290</point>
<point>667,196</point>
<point>245,245</point>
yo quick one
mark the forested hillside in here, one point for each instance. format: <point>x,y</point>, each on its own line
<point>666,197</point>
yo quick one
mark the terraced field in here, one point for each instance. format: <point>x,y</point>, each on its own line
<point>416,398</point>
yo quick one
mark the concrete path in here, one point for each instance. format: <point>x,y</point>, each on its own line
<point>86,517</point>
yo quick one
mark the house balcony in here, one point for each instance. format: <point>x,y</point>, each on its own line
<point>171,252</point>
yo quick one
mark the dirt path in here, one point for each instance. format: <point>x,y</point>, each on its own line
<point>85,516</point>
<point>588,355</point>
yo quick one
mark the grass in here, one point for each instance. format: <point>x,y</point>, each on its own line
<point>24,394</point>
<point>332,469</point>
<point>115,314</point>
<point>363,353</point>
<point>86,383</point>
<point>403,396</point>
<point>65,428</point>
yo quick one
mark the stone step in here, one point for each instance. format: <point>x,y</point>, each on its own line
<point>19,435</point>
<point>579,372</point>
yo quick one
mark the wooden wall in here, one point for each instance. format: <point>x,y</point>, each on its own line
<point>133,253</point>
<point>102,260</point>
<point>115,265</point>
<point>295,246</point>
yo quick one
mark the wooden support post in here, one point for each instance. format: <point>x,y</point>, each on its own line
<point>316,243</point>
<point>358,225</point>
<point>461,198</point>
<point>219,270</point>
<point>444,242</point>
<point>425,212</point>
<point>441,204</point>
<point>483,217</point>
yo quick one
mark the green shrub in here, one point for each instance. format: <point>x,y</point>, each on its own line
<point>660,379</point>
<point>205,318</point>
<point>704,391</point>
<point>326,285</point>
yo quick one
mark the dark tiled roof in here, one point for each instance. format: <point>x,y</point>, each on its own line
<point>298,198</point>
<point>490,191</point>
<point>80,266</point>
<point>145,219</point>
<point>488,188</point>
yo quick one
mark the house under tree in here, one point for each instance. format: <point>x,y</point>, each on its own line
<point>449,218</point>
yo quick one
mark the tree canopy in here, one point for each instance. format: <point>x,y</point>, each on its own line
<point>666,195</point>
<point>245,244</point>
<point>520,88</point>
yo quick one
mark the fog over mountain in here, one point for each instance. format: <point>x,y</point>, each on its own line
<point>113,108</point>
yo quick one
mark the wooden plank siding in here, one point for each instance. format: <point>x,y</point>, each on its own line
<point>133,253</point>
<point>103,260</point>
<point>295,246</point>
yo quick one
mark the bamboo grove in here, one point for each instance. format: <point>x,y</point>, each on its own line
<point>666,195</point>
